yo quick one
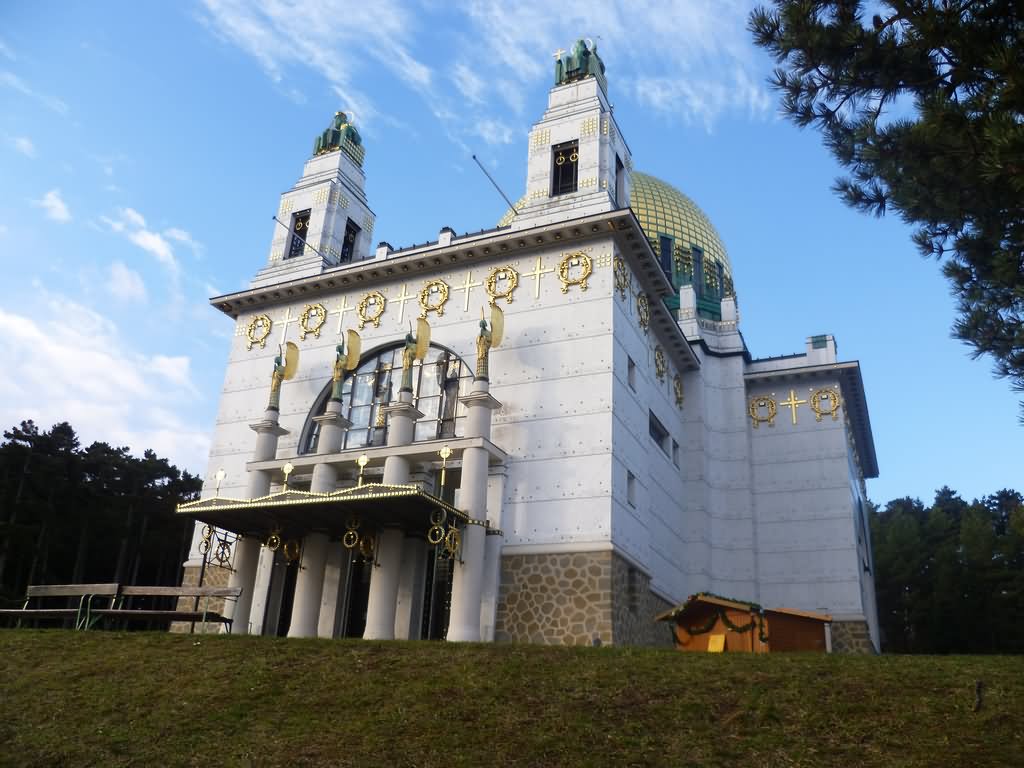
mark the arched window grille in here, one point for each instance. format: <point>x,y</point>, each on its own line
<point>437,384</point>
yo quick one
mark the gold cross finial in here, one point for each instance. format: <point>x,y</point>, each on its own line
<point>792,403</point>
<point>558,54</point>
<point>362,461</point>
<point>287,469</point>
<point>219,477</point>
<point>444,453</point>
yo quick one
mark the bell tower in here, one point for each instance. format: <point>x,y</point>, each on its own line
<point>323,221</point>
<point>578,162</point>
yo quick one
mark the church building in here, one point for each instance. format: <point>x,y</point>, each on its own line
<point>549,431</point>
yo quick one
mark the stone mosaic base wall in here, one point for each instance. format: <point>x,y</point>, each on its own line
<point>583,598</point>
<point>851,637</point>
<point>215,576</point>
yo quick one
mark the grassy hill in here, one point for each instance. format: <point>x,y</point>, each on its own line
<point>106,698</point>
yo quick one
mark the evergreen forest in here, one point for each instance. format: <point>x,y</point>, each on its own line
<point>70,514</point>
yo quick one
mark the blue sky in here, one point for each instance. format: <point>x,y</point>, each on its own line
<point>144,146</point>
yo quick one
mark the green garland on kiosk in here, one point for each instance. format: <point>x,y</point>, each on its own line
<point>720,615</point>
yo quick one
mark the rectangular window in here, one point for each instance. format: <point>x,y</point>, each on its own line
<point>721,279</point>
<point>665,255</point>
<point>675,453</point>
<point>348,245</point>
<point>658,433</point>
<point>300,231</point>
<point>565,163</point>
<point>698,270</point>
<point>631,373</point>
<point>620,183</point>
<point>631,488</point>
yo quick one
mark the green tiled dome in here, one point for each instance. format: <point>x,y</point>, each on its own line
<point>664,210</point>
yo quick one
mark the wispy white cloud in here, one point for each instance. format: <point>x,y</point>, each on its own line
<point>54,206</point>
<point>133,217</point>
<point>469,83</point>
<point>10,80</point>
<point>342,39</point>
<point>154,244</point>
<point>176,233</point>
<point>494,132</point>
<point>125,283</point>
<point>24,145</point>
<point>73,365</point>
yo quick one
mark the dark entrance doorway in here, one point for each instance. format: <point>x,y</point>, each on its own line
<point>437,594</point>
<point>357,594</point>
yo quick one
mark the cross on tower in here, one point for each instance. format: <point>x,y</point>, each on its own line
<point>792,403</point>
<point>466,286</point>
<point>284,321</point>
<point>403,297</point>
<point>343,307</point>
<point>536,274</point>
<point>558,54</point>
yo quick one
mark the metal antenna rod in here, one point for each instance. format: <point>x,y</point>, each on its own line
<point>296,234</point>
<point>491,178</point>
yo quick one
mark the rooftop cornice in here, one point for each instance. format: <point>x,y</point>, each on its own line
<point>854,400</point>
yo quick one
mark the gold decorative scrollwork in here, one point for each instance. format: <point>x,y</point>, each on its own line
<point>621,276</point>
<point>437,289</point>
<point>643,311</point>
<point>435,535</point>
<point>350,539</point>
<point>438,516</point>
<point>660,363</point>
<point>273,541</point>
<point>830,396</point>
<point>292,550</point>
<point>376,300</point>
<point>491,285</point>
<point>677,387</point>
<point>366,544</point>
<point>576,259</point>
<point>204,546</point>
<point>756,404</point>
<point>207,532</point>
<point>451,541</point>
<point>312,320</point>
<point>257,331</point>
<point>223,553</point>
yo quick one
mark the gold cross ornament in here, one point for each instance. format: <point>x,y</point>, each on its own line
<point>343,307</point>
<point>466,287</point>
<point>403,297</point>
<point>792,404</point>
<point>536,274</point>
<point>285,321</point>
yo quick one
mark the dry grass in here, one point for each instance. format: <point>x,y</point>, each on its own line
<point>107,698</point>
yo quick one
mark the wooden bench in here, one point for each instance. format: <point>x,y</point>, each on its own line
<point>86,614</point>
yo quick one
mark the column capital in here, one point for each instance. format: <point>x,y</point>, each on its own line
<point>268,427</point>
<point>480,399</point>
<point>333,420</point>
<point>399,408</point>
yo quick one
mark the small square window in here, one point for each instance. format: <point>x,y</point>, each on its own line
<point>658,433</point>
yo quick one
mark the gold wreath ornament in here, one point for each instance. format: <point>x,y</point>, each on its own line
<point>577,259</point>
<point>366,546</point>
<point>312,320</point>
<point>292,550</point>
<point>512,282</point>
<point>677,386</point>
<point>452,541</point>
<point>621,276</point>
<point>350,539</point>
<point>273,541</point>
<point>435,535</point>
<point>829,396</point>
<point>257,331</point>
<point>643,310</point>
<point>366,315</point>
<point>660,364</point>
<point>204,546</point>
<point>437,289</point>
<point>756,404</point>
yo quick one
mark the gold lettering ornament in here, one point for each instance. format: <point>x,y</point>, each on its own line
<point>370,309</point>
<point>677,387</point>
<point>511,277</point>
<point>433,297</point>
<point>829,396</point>
<point>660,364</point>
<point>756,404</point>
<point>258,330</point>
<point>572,260</point>
<point>621,276</point>
<point>643,311</point>
<point>312,320</point>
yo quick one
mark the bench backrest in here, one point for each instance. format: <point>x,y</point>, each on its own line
<point>182,591</point>
<point>71,590</point>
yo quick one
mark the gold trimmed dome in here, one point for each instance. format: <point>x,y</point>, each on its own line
<point>663,210</point>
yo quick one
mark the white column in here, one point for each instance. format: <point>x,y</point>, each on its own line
<point>248,557</point>
<point>409,608</point>
<point>467,584</point>
<point>380,611</point>
<point>493,545</point>
<point>309,585</point>
<point>334,579</point>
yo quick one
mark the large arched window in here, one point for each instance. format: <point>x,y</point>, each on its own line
<point>437,384</point>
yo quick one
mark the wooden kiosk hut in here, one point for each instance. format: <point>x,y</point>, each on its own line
<point>714,624</point>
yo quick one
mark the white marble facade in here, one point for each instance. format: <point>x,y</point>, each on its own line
<point>719,501</point>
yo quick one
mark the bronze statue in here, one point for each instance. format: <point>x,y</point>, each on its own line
<point>345,362</point>
<point>415,349</point>
<point>339,131</point>
<point>285,365</point>
<point>486,340</point>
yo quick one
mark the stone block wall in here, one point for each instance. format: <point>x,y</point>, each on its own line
<point>215,576</point>
<point>579,598</point>
<point>851,637</point>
